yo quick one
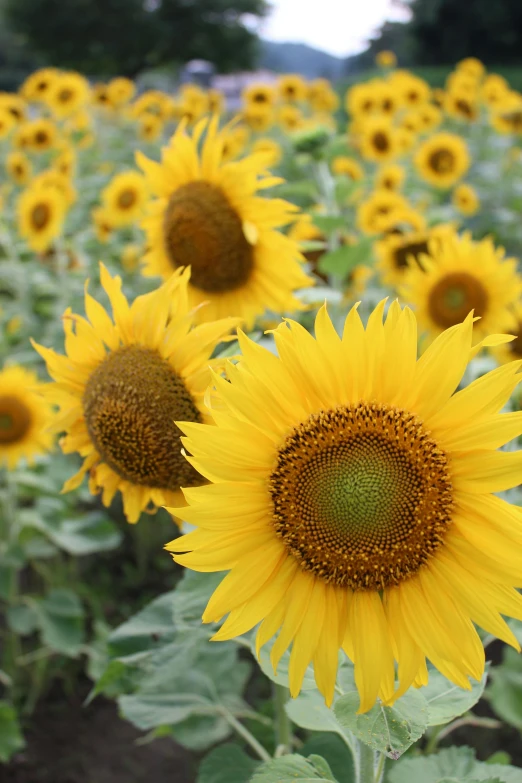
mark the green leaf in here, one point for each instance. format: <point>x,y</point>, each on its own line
<point>288,769</point>
<point>227,764</point>
<point>329,223</point>
<point>11,739</point>
<point>505,689</point>
<point>447,701</point>
<point>310,712</point>
<point>453,764</point>
<point>144,631</point>
<point>85,535</point>
<point>342,261</point>
<point>332,748</point>
<point>390,730</point>
<point>22,619</point>
<point>61,621</point>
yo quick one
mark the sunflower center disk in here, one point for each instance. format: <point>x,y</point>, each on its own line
<point>415,249</point>
<point>126,199</point>
<point>202,229</point>
<point>454,297</point>
<point>130,404</point>
<point>361,495</point>
<point>15,420</point>
<point>40,216</point>
<point>442,161</point>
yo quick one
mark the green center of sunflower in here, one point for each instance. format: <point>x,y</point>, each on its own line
<point>127,198</point>
<point>201,228</point>
<point>130,403</point>
<point>409,250</point>
<point>454,296</point>
<point>15,420</point>
<point>40,216</point>
<point>381,141</point>
<point>361,495</point>
<point>442,161</point>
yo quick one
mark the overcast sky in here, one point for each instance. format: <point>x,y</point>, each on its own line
<point>340,27</point>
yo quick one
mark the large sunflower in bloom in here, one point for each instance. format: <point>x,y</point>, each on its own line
<point>352,503</point>
<point>208,214</point>
<point>442,159</point>
<point>122,385</point>
<point>24,417</point>
<point>459,276</point>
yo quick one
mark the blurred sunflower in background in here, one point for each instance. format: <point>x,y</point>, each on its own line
<point>68,92</point>
<point>122,385</point>
<point>460,276</point>
<point>25,417</point>
<point>465,199</point>
<point>442,159</point>
<point>124,198</point>
<point>208,214</point>
<point>292,88</point>
<point>349,167</point>
<point>396,252</point>
<point>41,214</point>
<point>18,167</point>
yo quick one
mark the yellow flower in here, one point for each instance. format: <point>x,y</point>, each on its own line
<point>375,212</point>
<point>151,127</point>
<point>398,250</point>
<point>292,88</point>
<point>390,177</point>
<point>102,224</point>
<point>41,214</point>
<point>260,94</point>
<point>258,116</point>
<point>52,178</point>
<point>24,417</point>
<point>472,66</point>
<point>322,97</point>
<point>507,115</point>
<point>36,86</point>
<point>121,90</point>
<point>14,104</point>
<point>442,159</point>
<point>364,515</point>
<point>100,96</point>
<point>124,198</point>
<point>461,106</point>
<point>208,214</point>
<point>348,166</point>
<point>362,100</point>
<point>290,118</point>
<point>234,142</point>
<point>217,103</point>
<point>494,90</point>
<point>68,93</point>
<point>508,352</point>
<point>430,116</point>
<point>413,90</point>
<point>460,276</point>
<point>18,167</point>
<point>379,140</point>
<point>152,102</point>
<point>270,148</point>
<point>65,161</point>
<point>7,123</point>
<point>123,384</point>
<point>131,256</point>
<point>386,59</point>
<point>465,199</point>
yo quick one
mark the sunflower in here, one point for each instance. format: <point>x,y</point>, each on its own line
<point>472,66</point>
<point>465,199</point>
<point>259,94</point>
<point>52,178</point>
<point>42,134</point>
<point>413,90</point>
<point>122,385</point>
<point>430,116</point>
<point>292,88</point>
<point>460,276</point>
<point>103,226</point>
<point>442,159</point>
<point>270,149</point>
<point>37,85</point>
<point>234,142</point>
<point>386,59</point>
<point>65,161</point>
<point>375,212</point>
<point>508,352</point>
<point>68,93</point>
<point>24,417</point>
<point>349,167</point>
<point>7,123</point>
<point>121,90</point>
<point>14,104</point>
<point>217,102</point>
<point>397,250</point>
<point>130,257</point>
<point>461,106</point>
<point>494,90</point>
<point>390,177</point>
<point>41,214</point>
<point>18,167</point>
<point>379,141</point>
<point>100,96</point>
<point>322,97</point>
<point>364,515</point>
<point>258,116</point>
<point>125,197</point>
<point>290,118</point>
<point>150,127</point>
<point>361,100</point>
<point>208,215</point>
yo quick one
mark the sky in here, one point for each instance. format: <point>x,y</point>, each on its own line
<point>340,27</point>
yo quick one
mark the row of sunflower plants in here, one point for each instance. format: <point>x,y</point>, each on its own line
<point>300,336</point>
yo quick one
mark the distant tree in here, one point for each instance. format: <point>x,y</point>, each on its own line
<point>395,36</point>
<point>125,36</point>
<point>448,30</point>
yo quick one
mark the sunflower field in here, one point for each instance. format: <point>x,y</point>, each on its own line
<point>260,485</point>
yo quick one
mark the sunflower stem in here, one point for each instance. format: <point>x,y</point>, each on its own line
<point>247,736</point>
<point>283,726</point>
<point>379,772</point>
<point>366,771</point>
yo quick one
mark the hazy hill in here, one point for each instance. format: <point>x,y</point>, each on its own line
<point>299,58</point>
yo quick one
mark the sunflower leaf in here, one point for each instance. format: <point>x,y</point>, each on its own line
<point>11,739</point>
<point>390,730</point>
<point>447,701</point>
<point>294,767</point>
<point>342,261</point>
<point>457,765</point>
<point>226,764</point>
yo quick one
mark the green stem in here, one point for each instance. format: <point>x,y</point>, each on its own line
<point>366,763</point>
<point>247,736</point>
<point>379,772</point>
<point>283,726</point>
